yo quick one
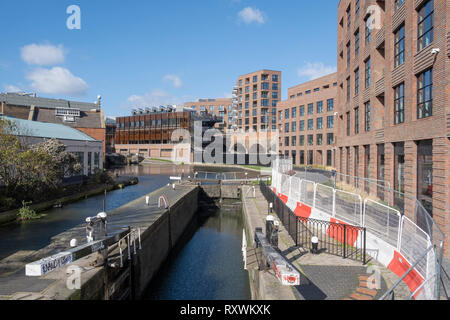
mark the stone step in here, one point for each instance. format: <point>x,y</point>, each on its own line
<point>363,284</point>
<point>368,292</point>
<point>357,296</point>
<point>363,278</point>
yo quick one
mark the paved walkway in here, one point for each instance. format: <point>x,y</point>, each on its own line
<point>324,276</point>
<point>14,283</point>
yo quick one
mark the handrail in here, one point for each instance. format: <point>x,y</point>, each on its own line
<point>391,290</point>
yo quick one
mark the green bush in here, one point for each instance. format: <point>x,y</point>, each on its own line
<point>26,213</point>
<point>102,177</point>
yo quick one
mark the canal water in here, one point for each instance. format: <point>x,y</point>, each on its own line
<point>207,262</point>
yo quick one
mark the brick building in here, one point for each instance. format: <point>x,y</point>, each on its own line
<point>258,94</point>
<point>393,100</point>
<point>306,122</point>
<point>86,117</point>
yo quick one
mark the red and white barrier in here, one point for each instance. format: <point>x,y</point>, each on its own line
<point>380,250</point>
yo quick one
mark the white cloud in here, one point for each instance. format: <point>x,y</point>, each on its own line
<point>315,70</point>
<point>156,97</point>
<point>56,80</point>
<point>249,15</point>
<point>12,88</point>
<point>43,54</point>
<point>176,81</point>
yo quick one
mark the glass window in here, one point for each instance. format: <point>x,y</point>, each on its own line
<point>294,112</point>
<point>368,32</point>
<point>357,43</point>
<point>399,46</point>
<point>357,82</point>
<point>356,120</point>
<point>286,113</point>
<point>275,77</point>
<point>319,123</point>
<point>330,138</point>
<point>302,140</point>
<point>425,174</point>
<point>320,107</point>
<point>367,116</point>
<point>302,125</point>
<point>330,104</point>
<point>294,126</point>
<point>302,111</point>
<point>310,140</point>
<point>425,25</point>
<point>311,124</point>
<point>367,75</point>
<point>319,139</point>
<point>311,108</point>
<point>425,94</point>
<point>398,4</point>
<point>330,122</point>
<point>399,104</point>
<point>286,127</point>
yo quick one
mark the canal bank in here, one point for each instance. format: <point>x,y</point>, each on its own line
<point>122,182</point>
<point>160,231</point>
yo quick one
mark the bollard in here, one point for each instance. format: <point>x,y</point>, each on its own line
<point>73,243</point>
<point>254,192</point>
<point>315,245</point>
<point>272,227</point>
<point>89,230</point>
<point>147,200</point>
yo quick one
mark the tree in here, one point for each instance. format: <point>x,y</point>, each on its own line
<point>30,171</point>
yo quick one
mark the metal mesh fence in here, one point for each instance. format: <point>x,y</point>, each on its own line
<point>414,241</point>
<point>307,192</point>
<point>382,221</point>
<point>295,189</point>
<point>348,207</point>
<point>285,184</point>
<point>324,200</point>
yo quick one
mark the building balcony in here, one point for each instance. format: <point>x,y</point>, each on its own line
<point>380,38</point>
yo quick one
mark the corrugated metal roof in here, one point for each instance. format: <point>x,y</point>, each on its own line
<point>48,130</point>
<point>22,100</point>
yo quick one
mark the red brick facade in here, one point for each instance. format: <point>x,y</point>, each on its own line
<point>416,147</point>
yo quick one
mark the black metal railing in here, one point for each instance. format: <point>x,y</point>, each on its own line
<point>333,238</point>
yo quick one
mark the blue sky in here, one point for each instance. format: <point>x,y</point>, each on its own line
<point>161,52</point>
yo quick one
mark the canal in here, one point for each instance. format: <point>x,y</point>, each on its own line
<point>207,262</point>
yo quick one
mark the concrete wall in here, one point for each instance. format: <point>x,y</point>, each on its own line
<point>160,237</point>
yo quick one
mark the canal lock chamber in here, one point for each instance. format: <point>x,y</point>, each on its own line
<point>206,263</point>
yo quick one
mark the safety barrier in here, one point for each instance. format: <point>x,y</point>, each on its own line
<point>391,238</point>
<point>333,237</point>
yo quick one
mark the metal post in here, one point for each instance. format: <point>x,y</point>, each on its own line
<point>104,202</point>
<point>364,247</point>
<point>345,242</point>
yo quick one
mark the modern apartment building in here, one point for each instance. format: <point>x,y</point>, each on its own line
<point>258,94</point>
<point>307,122</point>
<point>217,107</point>
<point>393,100</point>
